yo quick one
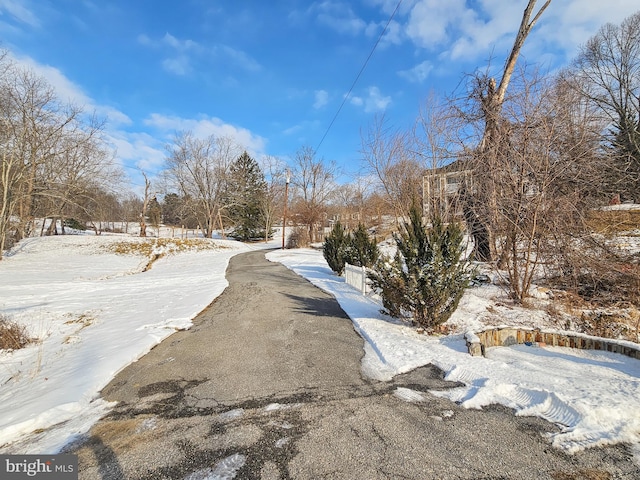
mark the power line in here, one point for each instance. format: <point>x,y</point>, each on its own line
<point>364,65</point>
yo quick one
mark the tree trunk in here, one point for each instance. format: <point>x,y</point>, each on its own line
<point>482,228</point>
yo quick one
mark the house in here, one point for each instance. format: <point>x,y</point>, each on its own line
<point>442,187</point>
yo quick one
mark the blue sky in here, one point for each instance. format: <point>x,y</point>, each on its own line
<point>273,73</point>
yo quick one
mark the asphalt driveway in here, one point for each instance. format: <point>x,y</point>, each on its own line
<point>267,385</point>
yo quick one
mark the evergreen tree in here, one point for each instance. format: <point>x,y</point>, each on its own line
<point>428,274</point>
<point>626,151</point>
<point>334,248</point>
<point>361,250</point>
<point>246,190</point>
<point>171,207</point>
<point>154,212</point>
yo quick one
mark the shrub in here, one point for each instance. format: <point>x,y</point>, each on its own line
<point>298,238</point>
<point>13,336</point>
<point>428,274</point>
<point>75,224</point>
<point>334,248</point>
<point>361,250</point>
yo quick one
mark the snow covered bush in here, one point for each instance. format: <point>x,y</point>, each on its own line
<point>361,249</point>
<point>428,274</point>
<point>355,248</point>
<point>334,247</point>
<point>298,238</point>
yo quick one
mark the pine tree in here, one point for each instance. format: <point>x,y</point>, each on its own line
<point>334,247</point>
<point>171,206</point>
<point>361,250</point>
<point>626,151</point>
<point>428,274</point>
<point>154,212</point>
<point>246,190</point>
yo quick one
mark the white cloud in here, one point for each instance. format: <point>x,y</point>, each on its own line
<point>465,30</point>
<point>339,17</point>
<point>205,126</point>
<point>374,101</point>
<point>351,26</point>
<point>357,101</point>
<point>179,62</point>
<point>430,20</point>
<point>292,130</point>
<point>180,45</point>
<point>182,53</point>
<point>69,92</point>
<point>394,35</point>
<point>419,73</point>
<point>20,11</point>
<point>179,65</point>
<point>322,98</point>
<point>140,149</point>
<point>568,25</point>
<point>240,58</point>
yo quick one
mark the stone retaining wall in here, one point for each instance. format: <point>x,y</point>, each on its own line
<point>478,342</point>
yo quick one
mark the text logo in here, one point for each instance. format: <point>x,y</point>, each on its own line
<point>50,467</point>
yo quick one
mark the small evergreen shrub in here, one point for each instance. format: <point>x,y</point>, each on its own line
<point>75,224</point>
<point>361,250</point>
<point>428,274</point>
<point>334,248</point>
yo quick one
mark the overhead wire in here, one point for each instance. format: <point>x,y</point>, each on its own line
<point>364,65</point>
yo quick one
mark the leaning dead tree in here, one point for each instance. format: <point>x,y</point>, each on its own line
<point>479,200</point>
<point>145,206</point>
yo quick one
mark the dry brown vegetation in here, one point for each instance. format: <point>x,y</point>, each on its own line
<point>151,247</point>
<point>586,474</point>
<point>13,336</point>
<point>614,222</point>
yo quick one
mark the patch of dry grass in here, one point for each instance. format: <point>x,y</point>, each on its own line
<point>587,474</point>
<point>13,336</point>
<point>573,312</point>
<point>613,222</point>
<point>162,246</point>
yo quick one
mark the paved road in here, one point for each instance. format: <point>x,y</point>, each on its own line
<point>267,385</point>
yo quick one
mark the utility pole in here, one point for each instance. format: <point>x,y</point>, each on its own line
<point>286,199</point>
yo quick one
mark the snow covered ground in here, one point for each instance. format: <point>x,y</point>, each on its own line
<point>95,312</point>
<point>593,396</point>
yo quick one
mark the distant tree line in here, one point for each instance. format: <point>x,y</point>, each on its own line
<point>55,162</point>
<point>217,185</point>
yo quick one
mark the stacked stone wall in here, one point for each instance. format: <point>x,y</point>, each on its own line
<point>478,342</point>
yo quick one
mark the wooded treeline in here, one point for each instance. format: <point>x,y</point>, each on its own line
<point>55,162</point>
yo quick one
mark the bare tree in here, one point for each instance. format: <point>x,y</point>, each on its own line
<point>391,158</point>
<point>145,205</point>
<point>350,203</point>
<point>198,168</point>
<point>272,205</point>
<point>67,181</point>
<point>53,155</point>
<point>480,212</point>
<point>314,181</point>
<point>543,170</point>
<point>442,153</point>
<point>607,73</point>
